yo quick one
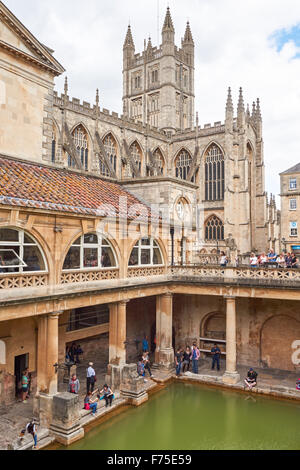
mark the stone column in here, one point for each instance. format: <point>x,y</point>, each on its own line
<point>42,355</point>
<point>117,346</point>
<point>164,331</point>
<point>231,375</point>
<point>52,353</point>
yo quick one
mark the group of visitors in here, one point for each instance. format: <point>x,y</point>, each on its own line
<point>73,353</point>
<point>288,260</point>
<point>91,403</point>
<point>283,260</point>
<point>184,358</point>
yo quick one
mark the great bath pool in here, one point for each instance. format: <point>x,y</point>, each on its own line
<point>191,417</point>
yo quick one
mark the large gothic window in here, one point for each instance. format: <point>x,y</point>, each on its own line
<point>90,251</point>
<point>159,160</point>
<point>19,253</point>
<point>214,174</point>
<point>183,164</point>
<point>214,229</point>
<point>81,143</point>
<point>110,146</point>
<point>146,253</point>
<point>136,154</point>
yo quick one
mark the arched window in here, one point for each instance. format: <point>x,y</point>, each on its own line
<point>110,146</point>
<point>90,251</point>
<point>136,154</point>
<point>183,165</point>
<point>214,174</point>
<point>53,146</point>
<point>146,253</point>
<point>19,253</point>
<point>81,143</point>
<point>214,229</point>
<point>160,164</point>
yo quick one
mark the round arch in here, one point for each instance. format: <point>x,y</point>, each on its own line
<point>213,326</point>
<point>111,241</point>
<point>158,241</point>
<point>38,241</point>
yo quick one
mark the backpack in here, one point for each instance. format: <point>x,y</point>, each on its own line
<point>30,428</point>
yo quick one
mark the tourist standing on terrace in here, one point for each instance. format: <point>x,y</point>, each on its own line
<point>294,261</point>
<point>281,261</point>
<point>186,360</point>
<point>223,260</point>
<point>288,260</point>
<point>195,358</point>
<point>263,259</point>
<point>90,378</point>
<point>25,383</point>
<point>253,260</point>
<point>74,385</point>
<point>145,344</point>
<point>216,351</point>
<point>146,361</point>
<point>272,257</point>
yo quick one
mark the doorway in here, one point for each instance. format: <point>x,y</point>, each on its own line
<point>21,364</point>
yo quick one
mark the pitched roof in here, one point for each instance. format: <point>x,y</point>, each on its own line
<point>42,187</point>
<point>294,169</point>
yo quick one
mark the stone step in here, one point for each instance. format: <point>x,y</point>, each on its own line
<point>87,417</point>
<point>27,442</point>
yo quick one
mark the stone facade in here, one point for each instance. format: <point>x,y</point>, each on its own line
<point>290,209</point>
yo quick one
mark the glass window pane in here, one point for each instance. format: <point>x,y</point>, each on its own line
<point>107,259</point>
<point>33,259</point>
<point>146,242</point>
<point>72,260</point>
<point>28,240</point>
<point>134,258</point>
<point>91,238</point>
<point>104,242</point>
<point>90,258</point>
<point>7,235</point>
<point>78,241</point>
<point>157,259</point>
<point>145,257</point>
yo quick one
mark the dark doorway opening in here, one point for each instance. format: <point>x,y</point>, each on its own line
<point>21,364</point>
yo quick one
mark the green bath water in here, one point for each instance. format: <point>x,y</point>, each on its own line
<point>189,417</point>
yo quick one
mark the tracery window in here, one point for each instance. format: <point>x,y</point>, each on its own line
<point>146,253</point>
<point>159,160</point>
<point>81,143</point>
<point>214,229</point>
<point>183,165</point>
<point>214,174</point>
<point>136,154</point>
<point>19,253</point>
<point>111,152</point>
<point>90,251</point>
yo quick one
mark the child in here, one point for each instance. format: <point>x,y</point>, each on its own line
<point>141,369</point>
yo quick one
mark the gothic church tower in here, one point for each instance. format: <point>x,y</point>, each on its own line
<point>159,82</point>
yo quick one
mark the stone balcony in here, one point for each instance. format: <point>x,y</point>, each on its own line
<point>35,287</point>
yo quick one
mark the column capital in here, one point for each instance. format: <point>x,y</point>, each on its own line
<point>167,294</point>
<point>123,302</point>
<point>55,315</point>
<point>229,297</point>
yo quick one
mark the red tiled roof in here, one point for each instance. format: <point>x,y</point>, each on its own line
<point>29,185</point>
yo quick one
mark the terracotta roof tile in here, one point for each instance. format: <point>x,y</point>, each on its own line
<point>30,185</point>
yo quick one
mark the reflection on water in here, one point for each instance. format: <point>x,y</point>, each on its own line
<point>188,417</point>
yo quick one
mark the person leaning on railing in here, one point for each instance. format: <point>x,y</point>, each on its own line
<point>281,261</point>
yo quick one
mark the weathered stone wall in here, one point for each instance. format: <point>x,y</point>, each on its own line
<point>141,320</point>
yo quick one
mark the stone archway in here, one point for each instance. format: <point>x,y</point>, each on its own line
<point>277,337</point>
<point>213,328</point>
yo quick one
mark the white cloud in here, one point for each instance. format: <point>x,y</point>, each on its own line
<point>233,47</point>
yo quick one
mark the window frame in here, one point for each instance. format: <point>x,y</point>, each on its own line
<point>293,228</point>
<point>293,187</point>
<point>99,246</point>
<point>21,245</point>
<point>290,202</point>
<point>150,248</point>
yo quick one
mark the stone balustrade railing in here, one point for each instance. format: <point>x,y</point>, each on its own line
<point>146,271</point>
<point>201,272</point>
<point>231,273</point>
<point>76,277</point>
<point>19,281</point>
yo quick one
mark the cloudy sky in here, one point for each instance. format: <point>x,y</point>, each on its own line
<point>251,43</point>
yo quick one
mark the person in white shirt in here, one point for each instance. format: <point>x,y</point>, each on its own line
<point>253,261</point>
<point>90,378</point>
<point>223,260</point>
<point>281,261</point>
<point>263,259</point>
